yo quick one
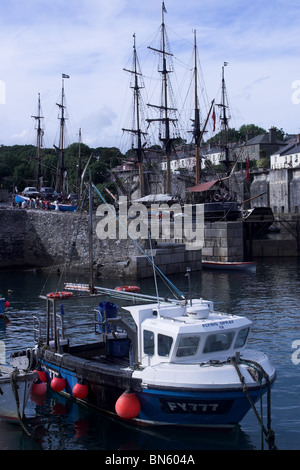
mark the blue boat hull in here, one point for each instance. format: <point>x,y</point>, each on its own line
<point>62,207</point>
<point>214,409</point>
<point>218,409</point>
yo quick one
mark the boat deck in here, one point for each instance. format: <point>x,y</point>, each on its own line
<point>99,352</point>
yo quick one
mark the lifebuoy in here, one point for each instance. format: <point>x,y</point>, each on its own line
<point>128,288</point>
<point>59,295</point>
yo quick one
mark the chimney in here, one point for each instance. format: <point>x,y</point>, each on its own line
<point>249,136</point>
<point>272,135</point>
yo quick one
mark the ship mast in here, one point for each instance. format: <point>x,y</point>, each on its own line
<point>61,170</point>
<point>40,132</point>
<point>165,119</point>
<point>79,164</point>
<point>136,117</point>
<point>197,132</point>
<point>224,123</point>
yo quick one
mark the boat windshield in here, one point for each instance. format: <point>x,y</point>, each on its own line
<point>241,338</point>
<point>218,342</point>
<point>187,346</point>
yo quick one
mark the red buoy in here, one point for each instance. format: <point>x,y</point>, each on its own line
<point>58,384</point>
<point>128,405</point>
<point>7,304</point>
<point>42,375</point>
<point>80,390</point>
<point>39,388</point>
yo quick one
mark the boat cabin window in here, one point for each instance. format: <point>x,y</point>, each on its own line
<point>148,342</point>
<point>164,344</point>
<point>241,338</point>
<point>218,342</point>
<point>187,346</point>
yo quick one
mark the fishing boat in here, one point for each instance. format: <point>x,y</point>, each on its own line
<point>63,207</point>
<point>230,265</point>
<point>150,360</point>
<point>15,388</point>
<point>167,362</point>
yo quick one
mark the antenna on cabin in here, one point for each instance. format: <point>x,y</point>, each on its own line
<point>188,274</point>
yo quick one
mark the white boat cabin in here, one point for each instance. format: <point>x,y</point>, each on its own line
<point>186,333</point>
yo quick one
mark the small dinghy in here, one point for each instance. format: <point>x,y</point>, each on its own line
<point>15,387</point>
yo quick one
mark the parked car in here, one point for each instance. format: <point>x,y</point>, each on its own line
<point>31,192</point>
<point>47,193</point>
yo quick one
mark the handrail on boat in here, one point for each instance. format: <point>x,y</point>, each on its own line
<point>36,329</point>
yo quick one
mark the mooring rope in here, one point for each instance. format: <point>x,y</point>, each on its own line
<point>269,433</point>
<point>14,387</point>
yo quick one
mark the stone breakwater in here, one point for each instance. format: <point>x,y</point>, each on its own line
<point>43,239</point>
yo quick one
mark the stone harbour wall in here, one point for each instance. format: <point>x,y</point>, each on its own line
<point>44,239</point>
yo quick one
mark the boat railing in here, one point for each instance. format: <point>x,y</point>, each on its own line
<point>37,329</point>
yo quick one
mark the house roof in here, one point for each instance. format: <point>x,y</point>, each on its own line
<point>291,148</point>
<point>263,139</point>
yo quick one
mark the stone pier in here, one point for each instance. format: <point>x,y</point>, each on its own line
<point>44,239</point>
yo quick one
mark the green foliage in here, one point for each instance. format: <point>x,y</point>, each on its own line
<point>263,163</point>
<point>251,129</point>
<point>18,165</point>
<point>241,134</point>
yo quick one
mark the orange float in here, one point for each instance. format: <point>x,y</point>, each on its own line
<point>59,295</point>
<point>128,288</point>
<point>128,405</point>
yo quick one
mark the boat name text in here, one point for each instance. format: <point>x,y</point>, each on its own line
<point>221,324</point>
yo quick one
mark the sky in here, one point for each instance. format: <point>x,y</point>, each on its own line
<point>92,42</point>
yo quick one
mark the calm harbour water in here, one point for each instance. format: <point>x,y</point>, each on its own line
<point>270,298</point>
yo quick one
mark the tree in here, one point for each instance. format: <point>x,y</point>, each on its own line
<point>251,129</point>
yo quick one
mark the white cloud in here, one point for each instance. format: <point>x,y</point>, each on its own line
<point>91,40</point>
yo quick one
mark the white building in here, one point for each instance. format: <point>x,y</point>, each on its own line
<point>286,157</point>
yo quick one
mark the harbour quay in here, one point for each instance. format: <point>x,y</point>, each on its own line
<point>36,239</point>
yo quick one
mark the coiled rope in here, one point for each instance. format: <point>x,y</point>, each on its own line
<point>269,433</point>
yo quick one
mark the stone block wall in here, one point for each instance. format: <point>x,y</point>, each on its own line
<point>40,239</point>
<point>172,258</point>
<point>223,241</point>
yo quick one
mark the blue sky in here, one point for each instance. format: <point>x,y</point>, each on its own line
<point>91,40</point>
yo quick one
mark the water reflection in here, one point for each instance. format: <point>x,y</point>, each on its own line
<point>60,423</point>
